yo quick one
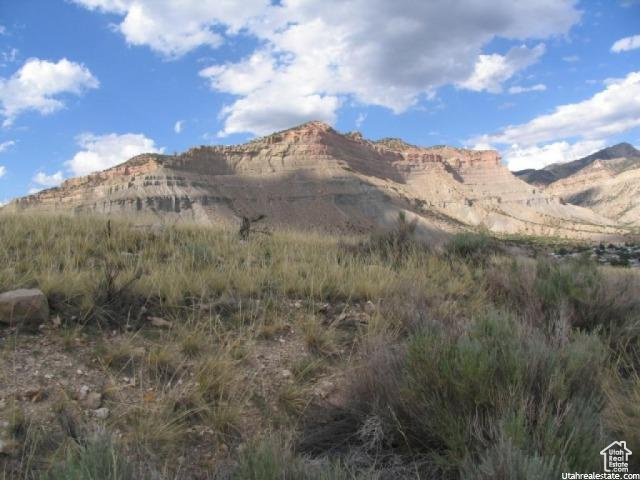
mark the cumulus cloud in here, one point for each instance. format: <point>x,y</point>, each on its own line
<point>572,130</point>
<point>520,158</point>
<point>539,87</point>
<point>6,145</point>
<point>175,28</point>
<point>312,54</point>
<point>613,110</point>
<point>45,180</point>
<point>626,43</point>
<point>38,84</point>
<point>491,71</point>
<point>104,151</point>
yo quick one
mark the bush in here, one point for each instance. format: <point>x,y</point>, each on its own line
<point>99,459</point>
<point>472,247</point>
<point>395,245</point>
<point>575,292</point>
<point>272,459</point>
<point>450,400</point>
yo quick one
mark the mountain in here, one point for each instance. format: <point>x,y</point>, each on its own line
<point>607,182</point>
<point>313,177</point>
<point>557,171</point>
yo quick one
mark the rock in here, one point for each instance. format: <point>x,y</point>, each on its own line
<point>286,373</point>
<point>24,307</point>
<point>56,321</point>
<point>369,307</point>
<point>83,392</point>
<point>92,401</point>
<point>159,322</point>
<point>101,413</point>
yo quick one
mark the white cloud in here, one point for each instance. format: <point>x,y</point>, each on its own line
<point>8,56</point>
<point>520,158</point>
<point>539,87</point>
<point>614,110</point>
<point>45,180</point>
<point>571,58</point>
<point>104,151</point>
<point>360,119</point>
<point>491,71</point>
<point>313,53</point>
<point>3,171</point>
<point>626,43</point>
<point>174,28</point>
<point>6,145</point>
<point>38,83</point>
<point>177,127</point>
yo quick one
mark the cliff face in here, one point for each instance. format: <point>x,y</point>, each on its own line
<point>606,182</point>
<point>314,177</point>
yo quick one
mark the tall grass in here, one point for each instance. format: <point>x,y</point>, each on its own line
<point>471,363</point>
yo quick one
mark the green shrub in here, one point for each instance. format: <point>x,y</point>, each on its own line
<point>272,459</point>
<point>454,397</point>
<point>395,245</point>
<point>472,247</point>
<point>99,459</point>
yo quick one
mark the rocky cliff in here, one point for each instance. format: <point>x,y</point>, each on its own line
<point>607,182</point>
<point>314,177</point>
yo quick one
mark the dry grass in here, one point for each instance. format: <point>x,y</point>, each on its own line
<point>436,380</point>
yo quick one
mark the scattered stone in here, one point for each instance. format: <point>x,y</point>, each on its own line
<point>56,321</point>
<point>286,373</point>
<point>83,392</point>
<point>24,308</point>
<point>101,413</point>
<point>370,307</point>
<point>159,322</point>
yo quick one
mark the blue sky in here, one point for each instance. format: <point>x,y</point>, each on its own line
<point>85,84</point>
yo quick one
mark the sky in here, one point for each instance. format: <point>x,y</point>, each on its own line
<point>87,84</point>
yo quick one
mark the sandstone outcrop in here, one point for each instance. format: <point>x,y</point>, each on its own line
<point>313,177</point>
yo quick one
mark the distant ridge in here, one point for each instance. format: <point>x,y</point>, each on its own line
<point>557,171</point>
<point>313,177</point>
<point>607,182</point>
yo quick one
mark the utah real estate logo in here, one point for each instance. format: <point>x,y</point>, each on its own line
<point>616,457</point>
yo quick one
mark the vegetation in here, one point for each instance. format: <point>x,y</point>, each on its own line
<point>304,356</point>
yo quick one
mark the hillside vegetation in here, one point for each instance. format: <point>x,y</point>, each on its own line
<point>185,352</point>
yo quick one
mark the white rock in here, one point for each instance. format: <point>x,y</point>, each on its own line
<point>159,322</point>
<point>101,413</point>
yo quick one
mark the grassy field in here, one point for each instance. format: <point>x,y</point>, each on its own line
<point>303,356</point>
